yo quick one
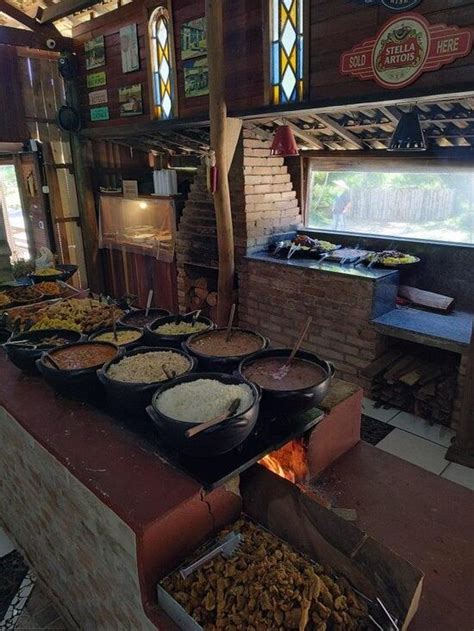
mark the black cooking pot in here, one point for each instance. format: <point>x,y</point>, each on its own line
<point>128,318</point>
<point>5,335</point>
<point>153,338</point>
<point>124,397</point>
<point>218,363</point>
<point>24,357</point>
<point>82,384</point>
<point>216,440</point>
<point>126,347</point>
<point>289,402</point>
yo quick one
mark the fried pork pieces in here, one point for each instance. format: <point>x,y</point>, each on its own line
<point>266,586</point>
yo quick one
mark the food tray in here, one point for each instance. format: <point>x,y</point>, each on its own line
<point>397,266</point>
<point>174,610</point>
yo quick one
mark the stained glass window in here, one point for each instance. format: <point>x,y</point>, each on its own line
<point>161,60</point>
<point>287,64</point>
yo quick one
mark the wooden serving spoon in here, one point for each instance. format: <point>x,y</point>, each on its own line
<point>231,410</point>
<point>230,323</point>
<point>52,361</point>
<point>148,302</point>
<point>283,370</point>
<point>170,374</point>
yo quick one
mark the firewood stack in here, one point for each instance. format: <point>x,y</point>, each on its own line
<point>200,297</point>
<point>422,382</point>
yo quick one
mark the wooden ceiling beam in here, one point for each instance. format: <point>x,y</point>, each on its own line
<point>339,130</point>
<point>42,31</point>
<point>300,133</point>
<point>62,10</point>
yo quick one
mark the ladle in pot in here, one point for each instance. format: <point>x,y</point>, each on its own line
<point>283,370</point>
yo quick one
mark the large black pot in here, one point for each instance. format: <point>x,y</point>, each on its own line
<point>24,357</point>
<point>132,398</point>
<point>153,314</point>
<point>288,402</point>
<point>153,338</point>
<point>216,440</point>
<point>216,363</point>
<point>82,384</point>
<point>125,347</point>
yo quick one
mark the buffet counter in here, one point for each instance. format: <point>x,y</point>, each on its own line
<point>98,512</point>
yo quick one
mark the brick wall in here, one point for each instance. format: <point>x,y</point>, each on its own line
<point>276,300</point>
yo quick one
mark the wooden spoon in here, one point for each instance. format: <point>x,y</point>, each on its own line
<point>230,323</point>
<point>148,302</point>
<point>231,410</point>
<point>170,374</point>
<point>283,370</point>
<point>52,362</point>
<point>114,324</point>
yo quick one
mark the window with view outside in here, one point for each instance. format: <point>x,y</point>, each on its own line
<point>427,206</point>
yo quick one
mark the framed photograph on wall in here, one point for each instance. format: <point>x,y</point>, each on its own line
<point>196,77</point>
<point>95,52</point>
<point>129,48</point>
<point>131,100</point>
<point>193,39</point>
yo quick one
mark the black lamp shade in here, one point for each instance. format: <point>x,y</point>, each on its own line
<point>408,135</point>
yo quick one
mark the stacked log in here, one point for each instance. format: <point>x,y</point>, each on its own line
<point>201,296</point>
<point>422,382</point>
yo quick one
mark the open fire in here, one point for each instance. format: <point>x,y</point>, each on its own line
<point>288,462</point>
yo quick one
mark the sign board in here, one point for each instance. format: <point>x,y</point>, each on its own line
<point>100,114</point>
<point>393,5</point>
<point>96,79</point>
<point>405,48</point>
<point>130,188</point>
<point>98,97</point>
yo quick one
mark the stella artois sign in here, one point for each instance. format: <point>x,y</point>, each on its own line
<point>405,48</point>
<point>393,5</point>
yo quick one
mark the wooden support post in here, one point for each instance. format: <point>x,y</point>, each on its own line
<point>220,142</point>
<point>86,203</point>
<point>462,450</point>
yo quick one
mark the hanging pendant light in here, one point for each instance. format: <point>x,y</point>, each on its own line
<point>284,143</point>
<point>408,135</point>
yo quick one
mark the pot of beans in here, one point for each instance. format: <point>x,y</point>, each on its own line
<point>72,370</point>
<point>288,389</point>
<point>194,399</point>
<point>131,379</point>
<point>25,348</point>
<point>140,318</point>
<point>173,330</point>
<point>218,351</point>
<point>125,337</point>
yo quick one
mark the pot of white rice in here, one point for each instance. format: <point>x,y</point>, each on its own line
<point>131,379</point>
<point>195,398</point>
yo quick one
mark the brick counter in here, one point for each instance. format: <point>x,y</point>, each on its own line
<point>98,514</point>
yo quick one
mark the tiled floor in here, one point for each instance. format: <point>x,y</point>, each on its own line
<point>415,440</point>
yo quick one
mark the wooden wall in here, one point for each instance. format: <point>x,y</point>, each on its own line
<point>12,116</point>
<point>338,25</point>
<point>244,57</point>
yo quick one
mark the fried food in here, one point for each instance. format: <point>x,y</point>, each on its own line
<point>4,300</point>
<point>49,288</point>
<point>267,585</point>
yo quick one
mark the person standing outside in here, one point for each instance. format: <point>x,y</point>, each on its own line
<point>342,205</point>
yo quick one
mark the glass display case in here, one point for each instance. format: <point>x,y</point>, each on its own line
<point>142,225</point>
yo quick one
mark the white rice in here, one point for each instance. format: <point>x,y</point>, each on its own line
<point>201,400</point>
<point>148,367</point>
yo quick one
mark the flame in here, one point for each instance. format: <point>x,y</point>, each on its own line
<point>289,462</point>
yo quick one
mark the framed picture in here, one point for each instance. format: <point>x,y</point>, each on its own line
<point>193,39</point>
<point>98,97</point>
<point>196,77</point>
<point>96,79</point>
<point>129,48</point>
<point>130,99</point>
<point>100,113</point>
<point>95,52</point>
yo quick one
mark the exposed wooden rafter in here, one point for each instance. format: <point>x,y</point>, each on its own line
<point>300,133</point>
<point>36,37</point>
<point>339,130</point>
<point>62,10</point>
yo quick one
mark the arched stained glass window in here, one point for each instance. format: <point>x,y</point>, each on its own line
<point>287,63</point>
<point>161,62</point>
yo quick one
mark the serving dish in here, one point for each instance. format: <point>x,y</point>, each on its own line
<point>77,383</point>
<point>131,317</point>
<point>216,440</point>
<point>125,397</point>
<point>138,341</point>
<point>36,343</point>
<point>221,363</point>
<point>155,338</point>
<point>287,402</point>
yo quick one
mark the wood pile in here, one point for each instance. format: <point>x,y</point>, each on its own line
<point>422,382</point>
<point>201,296</point>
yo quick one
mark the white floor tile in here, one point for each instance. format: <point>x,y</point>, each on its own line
<point>414,449</point>
<point>381,414</point>
<point>462,475</point>
<point>439,434</point>
<point>6,546</point>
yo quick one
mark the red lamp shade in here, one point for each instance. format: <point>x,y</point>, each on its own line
<point>284,143</point>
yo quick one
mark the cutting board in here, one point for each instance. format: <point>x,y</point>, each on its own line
<point>426,299</point>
